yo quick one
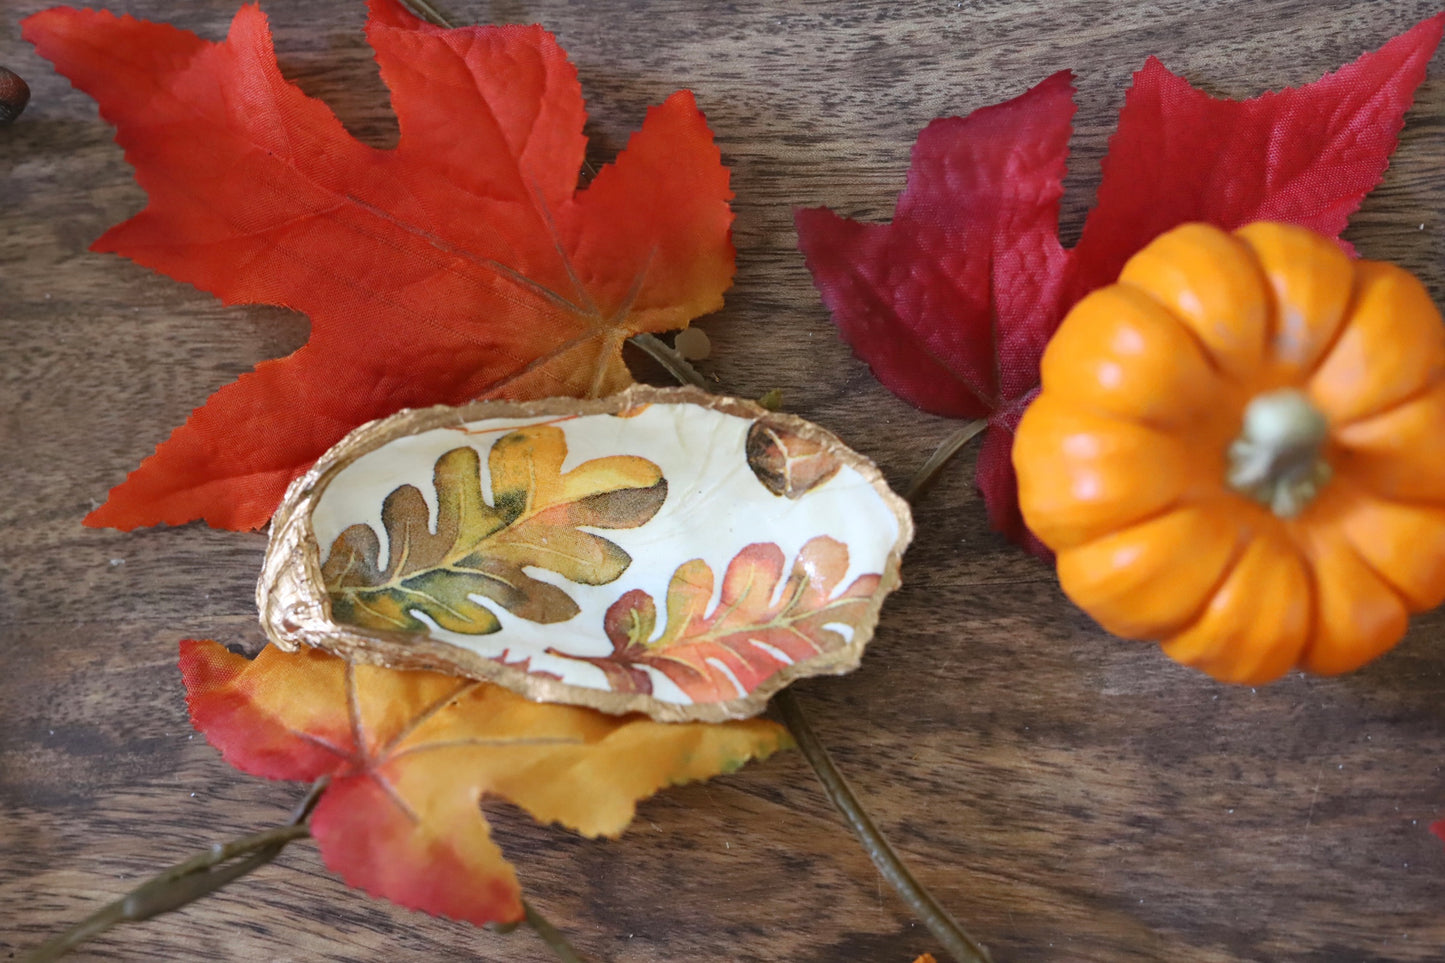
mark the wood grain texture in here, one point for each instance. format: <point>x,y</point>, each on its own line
<point>1070,796</point>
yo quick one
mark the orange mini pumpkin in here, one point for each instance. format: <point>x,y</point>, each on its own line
<point>1239,450</point>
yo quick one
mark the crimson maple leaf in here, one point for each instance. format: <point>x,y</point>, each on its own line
<point>463,262</point>
<point>952,303</point>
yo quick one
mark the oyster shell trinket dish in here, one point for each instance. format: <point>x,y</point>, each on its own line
<point>664,551</point>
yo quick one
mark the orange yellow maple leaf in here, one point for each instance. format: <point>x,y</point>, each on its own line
<point>410,755</point>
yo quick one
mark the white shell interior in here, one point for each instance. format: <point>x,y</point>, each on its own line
<point>715,507</point>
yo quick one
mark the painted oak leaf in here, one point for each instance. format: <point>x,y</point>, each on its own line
<point>757,629</point>
<point>952,303</point>
<point>464,262</point>
<point>477,549</point>
<point>411,754</point>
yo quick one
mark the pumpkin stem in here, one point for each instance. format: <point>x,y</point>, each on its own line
<point>1277,458</point>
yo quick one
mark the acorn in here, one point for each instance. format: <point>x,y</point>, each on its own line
<point>14,95</point>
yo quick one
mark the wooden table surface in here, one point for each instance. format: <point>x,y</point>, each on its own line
<point>1068,795</point>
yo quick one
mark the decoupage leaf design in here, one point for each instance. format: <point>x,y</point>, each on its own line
<point>952,302</point>
<point>410,754</point>
<point>786,462</point>
<point>755,631</point>
<point>398,547</point>
<point>464,262</point>
<point>535,520</point>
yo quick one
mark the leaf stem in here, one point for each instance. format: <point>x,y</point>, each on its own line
<point>550,935</point>
<point>941,456</point>
<point>961,946</point>
<point>187,881</point>
<point>429,13</point>
<point>676,365</point>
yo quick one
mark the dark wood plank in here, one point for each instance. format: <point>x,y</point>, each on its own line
<point>1071,796</point>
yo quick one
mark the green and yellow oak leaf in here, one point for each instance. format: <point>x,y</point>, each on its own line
<point>410,754</point>
<point>480,550</point>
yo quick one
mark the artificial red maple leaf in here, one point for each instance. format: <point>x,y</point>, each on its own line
<point>410,754</point>
<point>463,262</point>
<point>952,303</point>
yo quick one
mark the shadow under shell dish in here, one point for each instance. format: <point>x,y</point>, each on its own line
<point>664,551</point>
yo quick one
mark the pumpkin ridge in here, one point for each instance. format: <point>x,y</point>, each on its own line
<point>1147,422</point>
<point>1420,503</point>
<point>1212,282</point>
<point>1184,503</point>
<point>1205,351</point>
<point>1414,396</point>
<point>1347,321</point>
<point>1271,314</point>
<point>1177,504</point>
<point>1239,663</point>
<point>1309,548</point>
<point>1271,300</point>
<point>1372,568</point>
<point>1384,577</point>
<point>1312,583</point>
<point>1241,545</point>
<point>1183,500</point>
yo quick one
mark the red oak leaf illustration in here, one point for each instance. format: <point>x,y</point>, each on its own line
<point>464,262</point>
<point>952,302</point>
